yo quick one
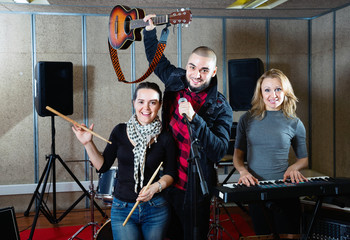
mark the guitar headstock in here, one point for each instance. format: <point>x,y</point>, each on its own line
<point>180,17</point>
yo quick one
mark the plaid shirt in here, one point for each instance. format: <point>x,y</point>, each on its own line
<point>180,132</point>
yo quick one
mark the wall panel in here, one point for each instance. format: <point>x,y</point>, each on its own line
<point>16,111</point>
<point>322,95</point>
<point>342,97</point>
<point>246,38</point>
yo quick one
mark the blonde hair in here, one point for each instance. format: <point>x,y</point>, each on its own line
<point>288,106</point>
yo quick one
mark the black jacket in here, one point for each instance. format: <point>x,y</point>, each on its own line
<point>211,125</point>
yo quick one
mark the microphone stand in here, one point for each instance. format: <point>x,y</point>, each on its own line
<point>194,168</point>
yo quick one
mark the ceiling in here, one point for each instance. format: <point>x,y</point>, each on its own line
<point>201,8</point>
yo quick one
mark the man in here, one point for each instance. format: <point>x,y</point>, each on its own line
<point>210,119</point>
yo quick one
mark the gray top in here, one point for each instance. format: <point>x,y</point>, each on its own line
<point>267,142</point>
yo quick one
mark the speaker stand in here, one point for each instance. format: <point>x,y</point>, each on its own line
<point>51,168</point>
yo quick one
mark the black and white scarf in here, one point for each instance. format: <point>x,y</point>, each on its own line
<point>142,136</point>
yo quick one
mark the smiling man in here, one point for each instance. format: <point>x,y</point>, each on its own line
<point>210,119</point>
<point>201,67</point>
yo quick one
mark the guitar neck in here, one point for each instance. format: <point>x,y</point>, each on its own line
<point>158,20</point>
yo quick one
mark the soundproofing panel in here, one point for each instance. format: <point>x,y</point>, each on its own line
<point>8,224</point>
<point>243,74</point>
<point>54,87</point>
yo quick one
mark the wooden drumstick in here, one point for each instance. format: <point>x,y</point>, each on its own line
<point>75,123</point>
<point>137,203</point>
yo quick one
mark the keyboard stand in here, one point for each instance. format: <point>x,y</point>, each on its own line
<point>317,207</point>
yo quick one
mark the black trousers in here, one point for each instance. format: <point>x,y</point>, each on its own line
<point>180,226</point>
<point>279,216</point>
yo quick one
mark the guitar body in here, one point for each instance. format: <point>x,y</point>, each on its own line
<point>121,35</point>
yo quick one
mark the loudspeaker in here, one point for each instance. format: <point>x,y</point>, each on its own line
<point>54,87</point>
<point>8,224</point>
<point>243,75</point>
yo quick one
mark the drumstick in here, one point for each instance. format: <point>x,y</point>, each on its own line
<point>137,203</point>
<point>75,123</point>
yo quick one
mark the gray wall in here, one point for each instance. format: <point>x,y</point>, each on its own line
<point>329,90</point>
<point>313,53</point>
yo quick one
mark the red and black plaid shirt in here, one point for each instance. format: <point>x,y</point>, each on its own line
<point>180,131</point>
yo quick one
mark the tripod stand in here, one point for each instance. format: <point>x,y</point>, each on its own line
<point>42,206</point>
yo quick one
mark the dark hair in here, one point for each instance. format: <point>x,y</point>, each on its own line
<point>148,85</point>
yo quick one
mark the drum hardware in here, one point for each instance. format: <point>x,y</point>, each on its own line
<point>216,230</point>
<point>106,184</point>
<point>105,232</point>
<point>94,225</point>
<point>50,168</point>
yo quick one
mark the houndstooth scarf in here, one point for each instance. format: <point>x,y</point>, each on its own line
<point>142,136</point>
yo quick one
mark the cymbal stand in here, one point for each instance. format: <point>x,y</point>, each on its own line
<point>94,225</point>
<point>216,230</point>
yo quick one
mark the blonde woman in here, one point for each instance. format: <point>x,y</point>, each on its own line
<point>264,137</point>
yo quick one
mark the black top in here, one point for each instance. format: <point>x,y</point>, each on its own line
<point>211,126</point>
<point>164,150</point>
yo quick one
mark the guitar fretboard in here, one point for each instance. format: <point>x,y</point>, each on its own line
<point>158,20</point>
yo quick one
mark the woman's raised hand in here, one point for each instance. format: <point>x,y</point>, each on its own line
<point>83,136</point>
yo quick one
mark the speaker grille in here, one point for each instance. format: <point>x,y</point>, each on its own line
<point>54,87</point>
<point>243,74</point>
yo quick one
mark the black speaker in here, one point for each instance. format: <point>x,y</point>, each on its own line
<point>243,75</point>
<point>54,87</point>
<point>8,224</point>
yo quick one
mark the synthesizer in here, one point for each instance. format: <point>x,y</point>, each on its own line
<point>277,189</point>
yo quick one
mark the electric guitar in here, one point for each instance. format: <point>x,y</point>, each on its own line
<point>125,24</point>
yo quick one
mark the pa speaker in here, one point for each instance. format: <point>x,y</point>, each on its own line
<point>54,87</point>
<point>8,224</point>
<point>243,75</point>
